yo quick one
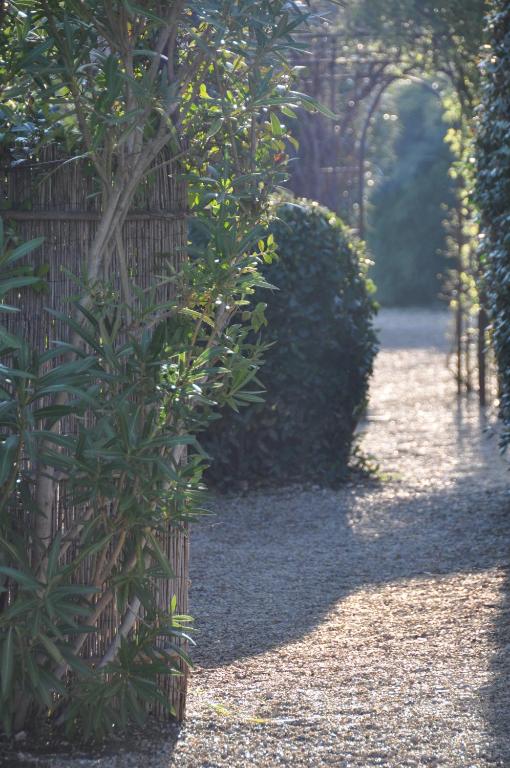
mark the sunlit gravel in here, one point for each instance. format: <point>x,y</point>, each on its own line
<point>368,626</point>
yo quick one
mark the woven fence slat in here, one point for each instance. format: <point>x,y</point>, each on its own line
<point>61,215</point>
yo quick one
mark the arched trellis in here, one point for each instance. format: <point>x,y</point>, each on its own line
<point>330,166</point>
<point>327,170</point>
<point>462,338</point>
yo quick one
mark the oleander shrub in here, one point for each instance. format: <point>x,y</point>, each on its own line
<point>493,193</point>
<point>317,368</point>
<point>100,469</point>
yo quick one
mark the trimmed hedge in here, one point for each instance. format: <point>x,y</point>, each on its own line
<point>493,193</point>
<point>317,369</point>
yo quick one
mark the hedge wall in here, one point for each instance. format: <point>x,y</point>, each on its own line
<point>317,370</point>
<point>493,192</point>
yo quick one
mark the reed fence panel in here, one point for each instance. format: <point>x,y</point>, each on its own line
<point>58,200</point>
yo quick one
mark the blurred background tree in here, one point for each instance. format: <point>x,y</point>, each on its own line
<point>358,55</point>
<point>410,189</point>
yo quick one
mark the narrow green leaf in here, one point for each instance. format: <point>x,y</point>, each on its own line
<point>7,663</point>
<point>17,282</point>
<point>53,556</point>
<point>160,556</point>
<point>52,649</point>
<point>21,578</point>
<point>276,128</point>
<point>24,249</point>
<point>214,128</point>
<point>8,453</point>
<point>312,104</point>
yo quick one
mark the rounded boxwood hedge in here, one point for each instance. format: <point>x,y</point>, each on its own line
<point>316,373</point>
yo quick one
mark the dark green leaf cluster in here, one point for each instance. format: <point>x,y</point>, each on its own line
<point>493,192</point>
<point>316,371</point>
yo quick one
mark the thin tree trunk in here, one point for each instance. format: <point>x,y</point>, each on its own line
<point>482,356</point>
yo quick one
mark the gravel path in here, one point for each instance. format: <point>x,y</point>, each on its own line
<point>368,626</point>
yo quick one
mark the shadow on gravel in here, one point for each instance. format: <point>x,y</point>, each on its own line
<point>142,742</point>
<point>267,575</point>
<point>497,693</point>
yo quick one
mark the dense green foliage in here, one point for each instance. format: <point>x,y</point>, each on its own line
<point>316,371</point>
<point>493,192</point>
<point>103,420</point>
<point>410,162</point>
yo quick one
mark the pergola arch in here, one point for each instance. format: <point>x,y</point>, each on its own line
<point>350,77</point>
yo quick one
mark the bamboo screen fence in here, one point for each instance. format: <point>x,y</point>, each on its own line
<point>57,200</point>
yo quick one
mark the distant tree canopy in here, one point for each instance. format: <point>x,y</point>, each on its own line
<point>360,50</point>
<point>409,163</point>
<point>438,35</point>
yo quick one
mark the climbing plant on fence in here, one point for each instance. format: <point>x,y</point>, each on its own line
<point>99,463</point>
<point>317,367</point>
<point>493,192</point>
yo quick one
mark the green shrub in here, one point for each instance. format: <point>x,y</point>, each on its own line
<point>316,371</point>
